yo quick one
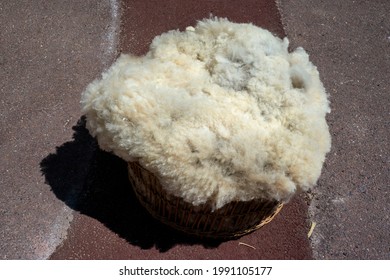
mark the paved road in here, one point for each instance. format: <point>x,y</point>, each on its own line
<point>49,51</point>
<point>349,41</point>
<point>62,198</point>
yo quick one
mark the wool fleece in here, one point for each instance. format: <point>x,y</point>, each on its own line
<point>219,112</point>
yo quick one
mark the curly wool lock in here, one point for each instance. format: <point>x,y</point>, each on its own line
<point>220,112</point>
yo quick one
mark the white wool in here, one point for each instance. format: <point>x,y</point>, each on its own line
<point>220,112</point>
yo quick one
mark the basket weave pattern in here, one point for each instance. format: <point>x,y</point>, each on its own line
<point>232,220</point>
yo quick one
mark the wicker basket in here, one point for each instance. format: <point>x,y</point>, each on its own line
<point>232,220</point>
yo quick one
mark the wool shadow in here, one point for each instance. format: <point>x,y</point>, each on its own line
<point>95,183</point>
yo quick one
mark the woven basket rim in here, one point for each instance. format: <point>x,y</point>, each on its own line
<point>199,221</point>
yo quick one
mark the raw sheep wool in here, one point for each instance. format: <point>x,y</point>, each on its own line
<point>219,112</point>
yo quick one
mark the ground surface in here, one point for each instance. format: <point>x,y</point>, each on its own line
<point>63,198</point>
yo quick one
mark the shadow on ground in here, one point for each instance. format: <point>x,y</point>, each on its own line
<point>95,183</point>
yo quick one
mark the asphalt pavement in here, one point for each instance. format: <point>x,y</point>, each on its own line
<point>63,198</point>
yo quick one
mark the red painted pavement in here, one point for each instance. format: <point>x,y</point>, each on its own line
<point>110,224</point>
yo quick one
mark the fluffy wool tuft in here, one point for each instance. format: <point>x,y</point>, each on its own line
<point>220,112</point>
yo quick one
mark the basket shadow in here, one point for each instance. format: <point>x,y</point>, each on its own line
<point>95,183</point>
